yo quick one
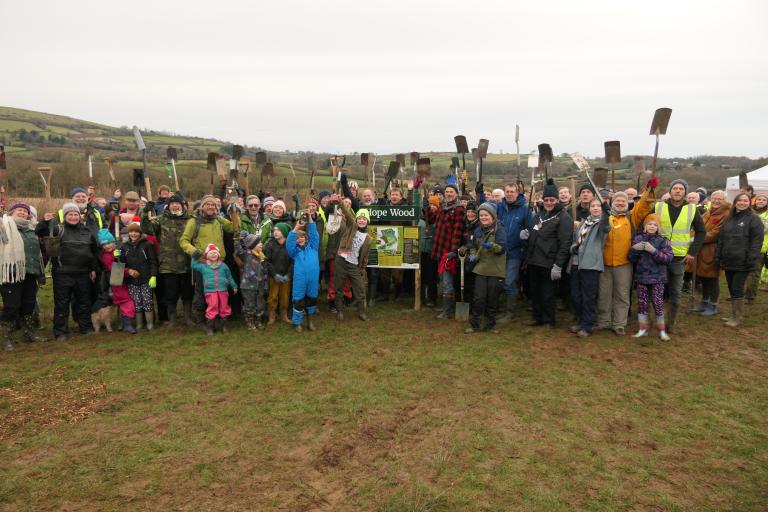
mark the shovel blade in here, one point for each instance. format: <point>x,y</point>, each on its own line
<point>743,181</point>
<point>364,158</point>
<point>461,144</point>
<point>414,157</point>
<point>533,161</point>
<point>171,153</point>
<point>660,121</point>
<point>545,153</point>
<point>394,168</point>
<point>612,152</point>
<point>482,148</point>
<point>237,152</point>
<point>462,311</point>
<point>423,167</point>
<point>211,162</point>
<point>600,177</point>
<point>455,162</point>
<point>261,158</point>
<point>268,169</point>
<point>400,157</point>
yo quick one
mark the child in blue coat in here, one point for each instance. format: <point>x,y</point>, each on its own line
<point>217,279</point>
<point>303,250</point>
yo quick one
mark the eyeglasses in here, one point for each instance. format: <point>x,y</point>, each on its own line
<point>254,205</point>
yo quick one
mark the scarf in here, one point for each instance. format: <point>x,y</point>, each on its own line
<point>585,227</point>
<point>450,206</point>
<point>12,260</point>
<point>214,264</point>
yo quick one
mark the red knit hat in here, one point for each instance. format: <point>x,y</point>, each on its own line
<point>212,248</point>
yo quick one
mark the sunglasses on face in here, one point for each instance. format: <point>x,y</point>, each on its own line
<point>254,205</point>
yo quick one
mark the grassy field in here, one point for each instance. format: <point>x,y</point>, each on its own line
<point>398,414</point>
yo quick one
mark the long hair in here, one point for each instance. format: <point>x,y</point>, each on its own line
<point>735,200</point>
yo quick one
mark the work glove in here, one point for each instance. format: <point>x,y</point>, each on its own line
<point>524,234</point>
<point>473,258</point>
<point>639,246</point>
<point>653,183</point>
<point>450,256</point>
<point>150,207</point>
<point>648,247</point>
<point>485,245</point>
<point>153,282</point>
<point>556,273</point>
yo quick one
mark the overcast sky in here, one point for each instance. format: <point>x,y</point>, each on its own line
<point>398,76</point>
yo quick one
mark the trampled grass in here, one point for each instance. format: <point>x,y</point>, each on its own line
<point>402,413</point>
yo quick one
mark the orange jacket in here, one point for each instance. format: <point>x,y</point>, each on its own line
<point>619,238</point>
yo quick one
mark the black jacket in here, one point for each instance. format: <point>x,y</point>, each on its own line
<point>139,255</point>
<point>550,243</point>
<point>79,247</point>
<point>740,241</point>
<point>278,261</point>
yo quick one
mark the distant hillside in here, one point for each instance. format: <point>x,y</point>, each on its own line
<point>34,139</point>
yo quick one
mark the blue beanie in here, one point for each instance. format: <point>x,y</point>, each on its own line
<point>77,190</point>
<point>323,194</point>
<point>679,181</point>
<point>105,237</point>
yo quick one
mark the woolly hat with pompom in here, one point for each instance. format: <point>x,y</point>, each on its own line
<point>550,189</point>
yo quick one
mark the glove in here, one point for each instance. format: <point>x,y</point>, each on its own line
<point>524,234</point>
<point>150,206</point>
<point>243,233</point>
<point>153,282</point>
<point>116,253</point>
<point>639,246</point>
<point>295,198</point>
<point>473,258</point>
<point>648,247</point>
<point>479,190</point>
<point>450,256</point>
<point>196,255</point>
<point>653,183</point>
<point>556,273</point>
<point>485,245</point>
<point>606,207</point>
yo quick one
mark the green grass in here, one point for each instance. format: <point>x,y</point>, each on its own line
<point>399,414</point>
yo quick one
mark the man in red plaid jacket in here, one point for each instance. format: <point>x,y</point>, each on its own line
<point>449,228</point>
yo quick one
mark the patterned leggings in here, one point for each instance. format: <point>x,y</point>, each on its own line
<point>141,295</point>
<point>648,291</point>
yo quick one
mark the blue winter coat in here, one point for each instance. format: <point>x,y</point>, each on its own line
<point>514,218</point>
<point>651,268</point>
<point>305,260</point>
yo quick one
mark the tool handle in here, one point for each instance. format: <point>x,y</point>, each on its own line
<point>655,156</point>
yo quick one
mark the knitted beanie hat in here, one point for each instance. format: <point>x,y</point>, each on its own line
<point>212,248</point>
<point>284,228</point>
<point>550,189</point>
<point>70,207</point>
<point>363,212</point>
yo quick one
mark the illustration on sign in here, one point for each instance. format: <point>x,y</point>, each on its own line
<point>394,247</point>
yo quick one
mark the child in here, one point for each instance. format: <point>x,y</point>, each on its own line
<point>651,253</point>
<point>141,264</point>
<point>279,269</point>
<point>587,264</point>
<point>120,296</point>
<point>303,250</point>
<point>352,256</point>
<point>253,279</point>
<point>216,281</point>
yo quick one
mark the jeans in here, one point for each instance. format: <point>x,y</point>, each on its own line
<point>584,296</point>
<point>446,284</point>
<point>710,289</point>
<point>675,273</point>
<point>513,274</point>
<point>736,280</point>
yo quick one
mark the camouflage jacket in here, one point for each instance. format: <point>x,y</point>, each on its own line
<point>168,229</point>
<point>253,275</point>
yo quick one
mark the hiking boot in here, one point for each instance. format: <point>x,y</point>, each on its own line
<point>298,328</point>
<point>509,312</point>
<point>332,306</point>
<point>447,311</point>
<point>362,316</point>
<point>583,334</point>
<point>701,307</point>
<point>574,328</point>
<point>127,325</point>
<point>62,337</point>
<point>469,330</point>
<point>620,331</point>
<point>736,308</point>
<point>7,330</point>
<point>209,327</point>
<point>709,310</point>
<point>491,329</point>
<point>29,330</point>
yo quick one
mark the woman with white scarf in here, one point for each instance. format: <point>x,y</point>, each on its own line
<point>20,268</point>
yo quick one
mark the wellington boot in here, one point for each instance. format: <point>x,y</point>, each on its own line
<point>127,325</point>
<point>171,317</point>
<point>28,322</point>
<point>709,310</point>
<point>223,325</point>
<point>700,307</point>
<point>6,329</point>
<point>149,320</point>
<point>210,325</point>
<point>509,312</point>
<point>310,323</point>
<point>737,306</point>
<point>188,314</point>
<point>673,309</point>
<point>139,320</point>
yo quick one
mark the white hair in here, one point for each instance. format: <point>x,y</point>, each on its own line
<point>719,193</point>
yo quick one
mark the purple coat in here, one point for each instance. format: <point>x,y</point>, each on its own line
<point>651,268</point>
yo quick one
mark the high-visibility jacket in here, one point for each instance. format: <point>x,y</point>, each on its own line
<point>96,214</point>
<point>680,234</point>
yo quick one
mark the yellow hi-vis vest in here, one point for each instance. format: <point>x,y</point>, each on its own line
<point>680,234</point>
<point>96,213</point>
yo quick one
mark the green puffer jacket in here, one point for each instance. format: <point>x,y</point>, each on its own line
<point>201,231</point>
<point>491,261</point>
<point>32,257</point>
<point>168,229</point>
<point>263,230</point>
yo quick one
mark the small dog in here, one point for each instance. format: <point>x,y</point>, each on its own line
<point>102,316</point>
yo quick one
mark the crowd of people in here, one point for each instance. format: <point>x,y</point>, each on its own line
<point>551,254</point>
